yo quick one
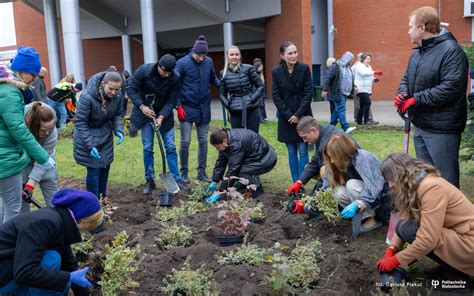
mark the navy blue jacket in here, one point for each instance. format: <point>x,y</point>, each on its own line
<point>194,94</point>
<point>147,87</point>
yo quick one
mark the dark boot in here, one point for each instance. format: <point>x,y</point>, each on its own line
<point>149,186</point>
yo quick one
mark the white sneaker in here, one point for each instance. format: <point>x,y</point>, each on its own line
<point>350,129</point>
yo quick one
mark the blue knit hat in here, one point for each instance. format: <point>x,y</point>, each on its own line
<point>81,203</point>
<point>200,46</point>
<point>26,60</point>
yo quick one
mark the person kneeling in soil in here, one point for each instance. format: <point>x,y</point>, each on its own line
<point>35,247</point>
<point>360,185</point>
<point>313,133</point>
<point>247,154</point>
<point>437,219</point>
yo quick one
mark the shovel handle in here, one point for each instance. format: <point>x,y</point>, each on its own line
<point>160,143</point>
<point>407,119</point>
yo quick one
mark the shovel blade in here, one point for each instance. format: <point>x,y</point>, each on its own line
<point>169,183</point>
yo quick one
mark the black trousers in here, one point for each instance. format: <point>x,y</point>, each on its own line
<point>363,113</point>
<point>253,119</point>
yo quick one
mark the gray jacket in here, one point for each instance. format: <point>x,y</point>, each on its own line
<point>94,127</point>
<point>33,170</point>
<point>39,90</point>
<point>369,168</point>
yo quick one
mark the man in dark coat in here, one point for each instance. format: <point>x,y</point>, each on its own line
<point>35,247</point>
<point>153,89</point>
<point>244,154</point>
<point>39,87</point>
<point>194,104</point>
<point>433,90</point>
<point>313,133</point>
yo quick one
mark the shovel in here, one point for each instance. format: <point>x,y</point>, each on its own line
<point>395,216</point>
<point>166,177</point>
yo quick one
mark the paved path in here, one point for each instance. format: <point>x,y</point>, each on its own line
<point>383,111</point>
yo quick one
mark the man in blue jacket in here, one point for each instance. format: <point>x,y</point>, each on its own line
<point>194,104</point>
<point>153,89</point>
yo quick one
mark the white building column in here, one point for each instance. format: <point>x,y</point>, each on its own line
<point>127,53</point>
<point>52,40</point>
<point>150,49</point>
<point>228,35</point>
<point>72,41</point>
<point>331,29</point>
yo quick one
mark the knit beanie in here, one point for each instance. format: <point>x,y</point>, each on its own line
<point>200,46</point>
<point>78,86</point>
<point>167,62</point>
<point>81,203</point>
<point>26,60</point>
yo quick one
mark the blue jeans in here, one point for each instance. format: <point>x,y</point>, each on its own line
<point>51,260</point>
<point>297,166</point>
<point>340,113</point>
<point>148,137</point>
<point>96,180</point>
<point>61,112</point>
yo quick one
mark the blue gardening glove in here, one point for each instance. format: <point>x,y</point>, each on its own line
<point>49,164</point>
<point>213,198</point>
<point>78,277</point>
<point>211,187</point>
<point>349,211</point>
<point>119,134</point>
<point>95,153</point>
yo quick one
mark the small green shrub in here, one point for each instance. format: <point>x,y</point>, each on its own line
<point>281,274</point>
<point>120,262</point>
<point>246,254</point>
<point>185,209</point>
<point>174,236</point>
<point>198,190</point>
<point>325,203</point>
<point>67,130</point>
<point>192,282</point>
<point>83,248</point>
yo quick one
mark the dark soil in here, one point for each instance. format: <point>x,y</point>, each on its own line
<point>348,267</point>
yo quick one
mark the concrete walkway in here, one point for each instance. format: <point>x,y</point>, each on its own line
<point>383,111</point>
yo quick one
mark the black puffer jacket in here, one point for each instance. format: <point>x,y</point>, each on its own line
<point>147,87</point>
<point>238,88</point>
<point>436,77</point>
<point>244,147</point>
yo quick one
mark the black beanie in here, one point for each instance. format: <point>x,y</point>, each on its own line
<point>78,86</point>
<point>167,62</point>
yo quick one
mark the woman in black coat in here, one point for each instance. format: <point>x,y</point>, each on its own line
<point>240,91</point>
<point>244,154</point>
<point>35,247</point>
<point>292,92</point>
<point>98,118</point>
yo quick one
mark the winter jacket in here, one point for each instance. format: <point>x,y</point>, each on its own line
<point>61,92</point>
<point>94,127</point>
<point>332,82</point>
<point>147,87</point>
<point>25,238</point>
<point>194,94</point>
<point>446,226</point>
<point>17,144</point>
<point>368,166</point>
<point>244,148</point>
<point>292,95</point>
<point>241,87</point>
<point>33,170</point>
<point>39,90</point>
<point>317,161</point>
<point>363,78</point>
<point>436,77</point>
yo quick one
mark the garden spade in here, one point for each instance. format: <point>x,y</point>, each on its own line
<point>166,177</point>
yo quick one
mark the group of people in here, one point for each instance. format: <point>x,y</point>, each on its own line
<point>437,218</point>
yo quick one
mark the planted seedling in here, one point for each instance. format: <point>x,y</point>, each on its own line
<point>190,282</point>
<point>325,203</point>
<point>174,236</point>
<point>121,260</point>
<point>186,208</point>
<point>246,254</point>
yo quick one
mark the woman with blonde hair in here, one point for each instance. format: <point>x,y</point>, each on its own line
<point>437,218</point>
<point>36,247</point>
<point>355,175</point>
<point>240,91</point>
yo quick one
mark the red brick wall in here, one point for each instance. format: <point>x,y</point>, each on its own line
<point>294,24</point>
<point>452,12</point>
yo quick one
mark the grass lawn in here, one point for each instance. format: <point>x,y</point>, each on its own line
<point>127,167</point>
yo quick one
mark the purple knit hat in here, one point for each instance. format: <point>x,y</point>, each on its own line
<point>81,203</point>
<point>200,46</point>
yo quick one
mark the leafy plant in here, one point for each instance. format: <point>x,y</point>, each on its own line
<point>67,130</point>
<point>198,190</point>
<point>281,274</point>
<point>246,254</point>
<point>192,282</point>
<point>121,260</point>
<point>230,223</point>
<point>83,248</point>
<point>325,202</point>
<point>256,212</point>
<point>185,209</point>
<point>174,236</point>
